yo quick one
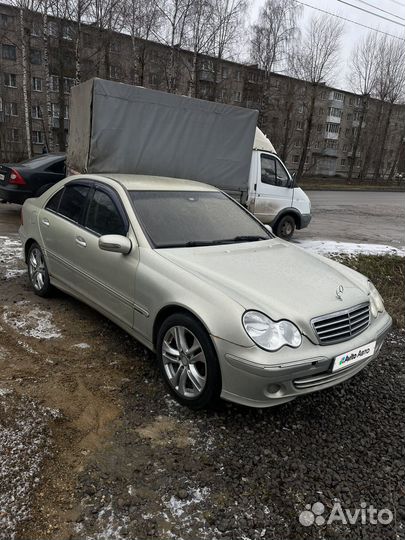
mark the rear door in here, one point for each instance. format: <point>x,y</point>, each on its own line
<point>274,188</point>
<point>60,225</point>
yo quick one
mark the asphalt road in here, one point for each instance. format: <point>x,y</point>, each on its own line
<point>357,216</point>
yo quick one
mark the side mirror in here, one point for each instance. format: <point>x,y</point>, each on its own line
<point>269,228</point>
<point>293,179</point>
<point>115,243</point>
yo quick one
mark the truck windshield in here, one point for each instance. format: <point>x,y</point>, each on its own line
<point>194,218</point>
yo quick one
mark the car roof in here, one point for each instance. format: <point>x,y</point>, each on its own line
<point>140,182</point>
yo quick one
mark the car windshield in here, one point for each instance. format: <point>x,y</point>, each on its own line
<point>194,218</point>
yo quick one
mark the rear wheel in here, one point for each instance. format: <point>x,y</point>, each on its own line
<point>188,361</point>
<point>38,271</point>
<point>285,227</point>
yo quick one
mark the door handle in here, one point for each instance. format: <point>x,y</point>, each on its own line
<point>80,241</point>
<point>45,221</point>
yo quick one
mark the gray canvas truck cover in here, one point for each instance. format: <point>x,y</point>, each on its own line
<point>119,128</point>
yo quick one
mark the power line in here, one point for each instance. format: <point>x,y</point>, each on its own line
<point>379,9</point>
<point>397,3</point>
<point>348,20</point>
<point>371,13</point>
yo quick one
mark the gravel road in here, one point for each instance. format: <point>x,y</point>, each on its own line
<point>95,448</point>
<point>357,216</point>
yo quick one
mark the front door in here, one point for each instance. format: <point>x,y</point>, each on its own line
<point>274,189</point>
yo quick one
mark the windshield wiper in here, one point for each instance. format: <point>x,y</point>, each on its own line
<point>234,240</point>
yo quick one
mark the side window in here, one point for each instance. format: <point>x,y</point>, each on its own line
<point>273,172</point>
<point>282,179</point>
<point>268,170</point>
<point>103,216</point>
<point>58,168</point>
<point>73,201</point>
<point>53,203</point>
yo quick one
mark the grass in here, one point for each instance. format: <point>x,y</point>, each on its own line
<point>388,275</point>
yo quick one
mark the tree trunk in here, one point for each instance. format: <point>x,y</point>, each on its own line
<point>377,169</point>
<point>308,131</point>
<point>61,96</point>
<point>356,143</point>
<point>370,148</point>
<point>48,116</point>
<point>78,74</point>
<point>26,102</point>
<point>401,147</point>
<point>286,138</point>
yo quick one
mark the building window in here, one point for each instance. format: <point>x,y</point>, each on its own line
<point>37,84</point>
<point>332,128</point>
<point>333,111</point>
<point>297,144</point>
<point>114,72</point>
<point>9,52</point>
<point>36,112</point>
<point>67,32</point>
<point>10,80</point>
<point>36,29</point>
<point>345,148</point>
<point>224,73</point>
<point>338,96</point>
<point>153,79</point>
<point>67,84</point>
<point>343,162</point>
<point>237,76</point>
<point>11,109</point>
<point>321,111</point>
<point>295,158</point>
<point>13,135</point>
<point>37,137</point>
<point>300,108</point>
<point>36,57</point>
<point>331,144</point>
<point>299,125</point>
<point>237,96</point>
<point>53,29</point>
<point>87,40</point>
<point>319,128</point>
<point>6,20</point>
<point>54,83</point>
<point>115,46</point>
<point>323,95</point>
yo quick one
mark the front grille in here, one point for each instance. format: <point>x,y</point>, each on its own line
<point>341,325</point>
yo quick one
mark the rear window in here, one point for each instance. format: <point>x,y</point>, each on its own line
<point>38,162</point>
<point>73,202</point>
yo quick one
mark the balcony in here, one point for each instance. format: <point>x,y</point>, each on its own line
<point>356,124</point>
<point>331,136</point>
<point>206,76</point>
<point>329,152</point>
<point>333,119</point>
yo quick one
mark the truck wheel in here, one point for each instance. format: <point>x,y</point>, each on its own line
<point>285,227</point>
<point>188,361</point>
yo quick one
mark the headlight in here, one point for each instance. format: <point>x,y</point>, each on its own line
<point>376,302</point>
<point>268,334</point>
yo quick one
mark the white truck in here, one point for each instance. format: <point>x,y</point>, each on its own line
<point>119,128</point>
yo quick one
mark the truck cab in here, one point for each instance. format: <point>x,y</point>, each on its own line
<point>273,197</point>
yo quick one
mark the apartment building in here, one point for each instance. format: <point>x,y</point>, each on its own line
<point>283,102</point>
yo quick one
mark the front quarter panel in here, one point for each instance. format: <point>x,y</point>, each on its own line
<point>161,283</point>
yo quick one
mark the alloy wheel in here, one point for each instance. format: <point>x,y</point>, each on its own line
<point>37,269</point>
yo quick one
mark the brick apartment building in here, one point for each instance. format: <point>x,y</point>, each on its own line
<point>282,101</point>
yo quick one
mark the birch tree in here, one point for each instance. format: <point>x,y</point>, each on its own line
<point>315,60</point>
<point>362,79</point>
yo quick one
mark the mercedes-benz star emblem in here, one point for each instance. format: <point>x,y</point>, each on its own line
<point>339,292</point>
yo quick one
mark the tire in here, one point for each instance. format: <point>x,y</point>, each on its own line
<point>38,271</point>
<point>285,227</point>
<point>180,341</point>
<point>42,190</point>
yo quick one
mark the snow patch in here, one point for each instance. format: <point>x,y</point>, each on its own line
<point>36,323</point>
<point>178,506</point>
<point>330,247</point>
<point>81,346</point>
<point>11,257</point>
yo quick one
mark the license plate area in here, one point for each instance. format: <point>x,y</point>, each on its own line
<point>354,356</point>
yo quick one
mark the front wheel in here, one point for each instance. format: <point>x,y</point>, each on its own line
<point>38,271</point>
<point>188,361</point>
<point>285,227</point>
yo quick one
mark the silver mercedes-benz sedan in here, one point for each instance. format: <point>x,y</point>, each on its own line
<point>230,309</point>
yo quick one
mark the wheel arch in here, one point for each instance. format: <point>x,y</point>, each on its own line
<point>169,310</point>
<point>27,246</point>
<point>288,212</point>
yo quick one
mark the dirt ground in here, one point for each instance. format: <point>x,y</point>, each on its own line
<point>93,447</point>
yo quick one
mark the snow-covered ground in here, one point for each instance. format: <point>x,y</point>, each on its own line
<point>330,247</point>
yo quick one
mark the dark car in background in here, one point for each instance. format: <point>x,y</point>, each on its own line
<point>20,181</point>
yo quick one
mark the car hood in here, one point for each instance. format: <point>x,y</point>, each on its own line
<point>274,277</point>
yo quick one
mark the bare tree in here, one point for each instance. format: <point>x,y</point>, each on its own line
<point>362,79</point>
<point>390,85</point>
<point>315,60</point>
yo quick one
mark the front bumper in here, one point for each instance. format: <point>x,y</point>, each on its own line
<point>305,220</point>
<point>257,378</point>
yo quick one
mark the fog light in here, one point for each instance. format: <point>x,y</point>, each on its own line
<point>273,388</point>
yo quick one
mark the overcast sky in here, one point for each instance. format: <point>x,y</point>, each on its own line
<point>352,31</point>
